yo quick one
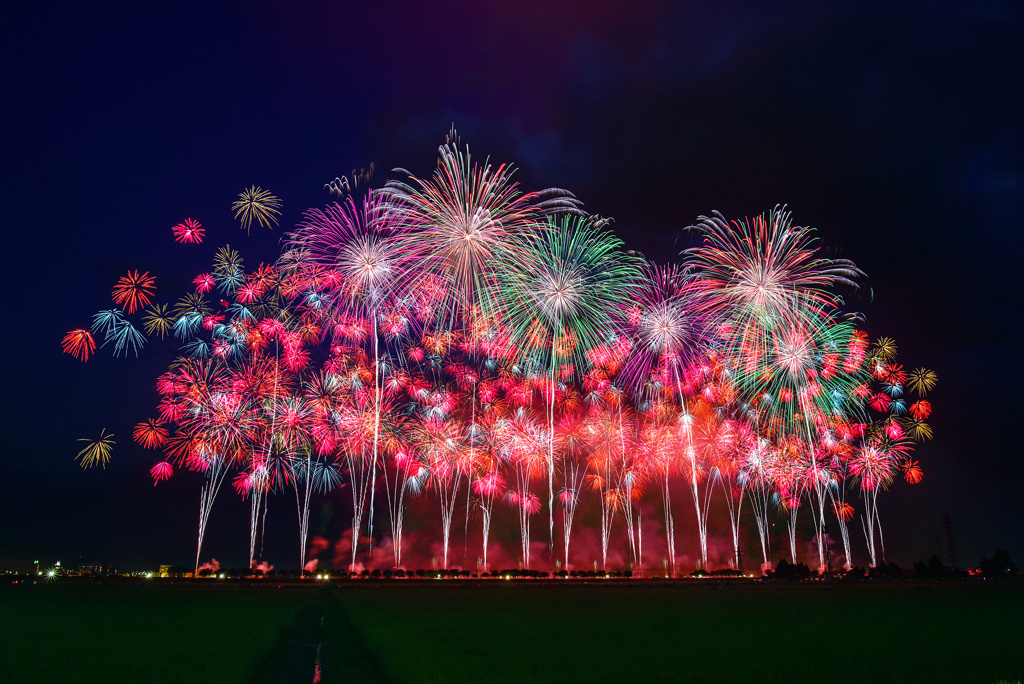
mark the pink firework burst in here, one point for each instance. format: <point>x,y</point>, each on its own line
<point>161,471</point>
<point>188,230</point>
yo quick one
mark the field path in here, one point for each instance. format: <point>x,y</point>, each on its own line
<point>320,646</point>
<point>346,655</point>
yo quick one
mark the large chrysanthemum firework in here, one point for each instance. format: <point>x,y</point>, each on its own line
<point>563,305</point>
<point>663,319</point>
<point>779,327</point>
<point>766,271</point>
<point>351,255</point>
<point>468,224</point>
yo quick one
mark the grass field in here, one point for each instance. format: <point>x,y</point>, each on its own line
<point>456,631</point>
<point>92,633</point>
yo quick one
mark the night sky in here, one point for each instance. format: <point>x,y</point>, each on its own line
<point>893,128</point>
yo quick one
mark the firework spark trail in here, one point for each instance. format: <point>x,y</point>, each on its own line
<point>760,503</point>
<point>259,476</point>
<point>489,486</point>
<point>351,434</point>
<point>216,473</point>
<point>734,503</point>
<point>316,476</point>
<point>354,252</point>
<point>791,527</point>
<point>569,498</point>
<point>572,438</point>
<point>843,511</point>
<point>523,448</point>
<point>579,276</point>
<point>303,473</point>
<point>701,502</point>
<point>439,443</point>
<point>256,486</point>
<point>404,481</point>
<point>602,429</point>
<point>488,481</point>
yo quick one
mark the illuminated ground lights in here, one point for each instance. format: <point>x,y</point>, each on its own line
<point>454,338</point>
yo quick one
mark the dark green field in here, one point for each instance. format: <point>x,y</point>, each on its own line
<point>456,631</point>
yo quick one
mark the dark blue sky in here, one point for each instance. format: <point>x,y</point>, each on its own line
<point>894,128</point>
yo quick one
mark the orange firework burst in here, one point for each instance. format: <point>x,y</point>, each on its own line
<point>921,409</point>
<point>151,434</point>
<point>134,291</point>
<point>79,343</point>
<point>843,510</point>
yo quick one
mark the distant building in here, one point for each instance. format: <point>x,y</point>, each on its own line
<point>97,570</point>
<point>55,570</point>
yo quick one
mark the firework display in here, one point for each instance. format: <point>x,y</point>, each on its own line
<point>453,339</point>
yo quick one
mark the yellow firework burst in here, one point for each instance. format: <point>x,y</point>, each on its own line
<point>919,430</point>
<point>259,204</point>
<point>157,320</point>
<point>884,349</point>
<point>98,450</point>
<point>922,381</point>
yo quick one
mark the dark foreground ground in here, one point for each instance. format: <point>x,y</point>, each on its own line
<point>465,631</point>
